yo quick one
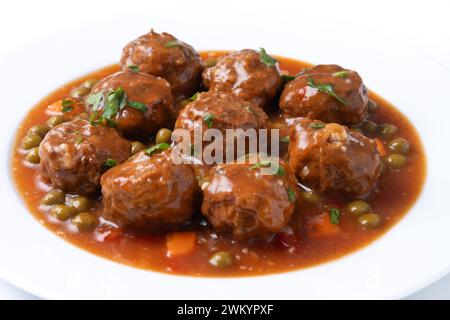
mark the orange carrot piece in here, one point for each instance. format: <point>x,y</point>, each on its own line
<point>56,107</point>
<point>321,226</point>
<point>380,147</point>
<point>180,243</point>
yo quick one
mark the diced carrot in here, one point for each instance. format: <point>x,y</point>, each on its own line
<point>56,107</point>
<point>180,243</point>
<point>380,147</point>
<point>320,226</point>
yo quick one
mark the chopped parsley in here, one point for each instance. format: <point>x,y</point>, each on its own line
<point>317,125</point>
<point>334,215</point>
<point>172,44</point>
<point>261,164</point>
<point>94,100</point>
<point>67,105</point>
<point>158,147</point>
<point>79,139</point>
<point>284,139</point>
<point>113,102</point>
<point>208,119</point>
<point>250,109</point>
<point>133,68</point>
<point>138,105</point>
<point>279,170</point>
<point>266,59</point>
<point>109,163</point>
<point>340,74</point>
<point>194,96</point>
<point>291,194</point>
<point>326,88</point>
<point>287,77</point>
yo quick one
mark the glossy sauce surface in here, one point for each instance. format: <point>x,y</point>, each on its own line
<point>298,248</point>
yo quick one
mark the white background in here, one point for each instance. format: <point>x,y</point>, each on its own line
<point>424,26</point>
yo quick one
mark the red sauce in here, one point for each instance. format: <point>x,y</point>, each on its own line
<point>396,193</point>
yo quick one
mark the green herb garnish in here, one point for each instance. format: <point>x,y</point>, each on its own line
<point>194,96</point>
<point>287,77</point>
<point>94,100</point>
<point>208,118</point>
<point>172,44</point>
<point>261,164</point>
<point>67,105</point>
<point>109,163</point>
<point>291,195</point>
<point>326,88</point>
<point>285,139</point>
<point>79,139</point>
<point>250,109</point>
<point>138,105</point>
<point>340,74</point>
<point>266,59</point>
<point>317,125</point>
<point>133,68</point>
<point>158,147</point>
<point>334,215</point>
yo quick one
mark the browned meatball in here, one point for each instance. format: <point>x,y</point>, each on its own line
<point>220,110</point>
<point>246,76</point>
<point>149,191</point>
<point>165,56</point>
<point>240,201</point>
<point>144,102</point>
<point>74,155</point>
<point>328,93</point>
<point>333,159</point>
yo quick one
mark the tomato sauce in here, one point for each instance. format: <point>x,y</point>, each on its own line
<point>396,193</point>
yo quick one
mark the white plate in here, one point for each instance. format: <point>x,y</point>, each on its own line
<point>411,255</point>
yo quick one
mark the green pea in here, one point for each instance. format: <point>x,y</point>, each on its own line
<point>85,220</point>
<point>163,135</point>
<point>33,156</point>
<point>369,126</point>
<point>88,84</point>
<point>388,130</point>
<point>80,203</point>
<point>39,129</point>
<point>136,147</point>
<point>79,92</point>
<point>56,120</point>
<point>369,220</point>
<point>372,106</point>
<point>396,161</point>
<point>399,145</point>
<point>358,207</point>
<point>63,212</point>
<point>210,62</point>
<point>53,197</point>
<point>31,141</point>
<point>310,197</point>
<point>221,259</point>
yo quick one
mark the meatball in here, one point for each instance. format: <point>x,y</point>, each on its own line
<point>333,159</point>
<point>165,56</point>
<point>149,191</point>
<point>245,75</point>
<point>328,93</point>
<point>137,104</point>
<point>74,155</point>
<point>240,201</point>
<point>220,110</point>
